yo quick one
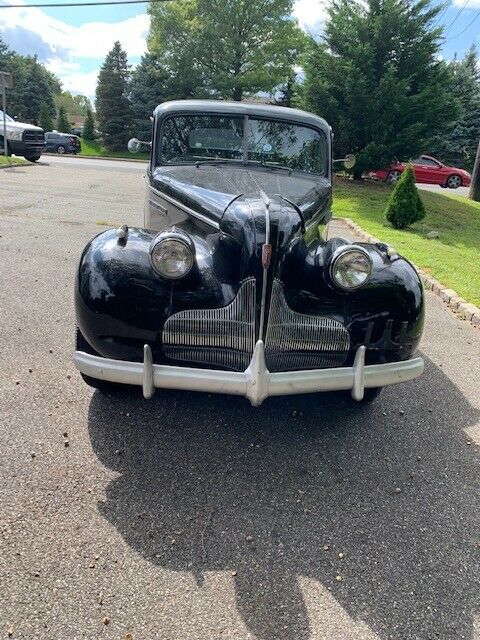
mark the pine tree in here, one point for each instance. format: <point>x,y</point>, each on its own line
<point>63,125</point>
<point>378,80</point>
<point>45,119</point>
<point>113,108</point>
<point>457,142</point>
<point>150,86</point>
<point>405,205</point>
<point>89,126</point>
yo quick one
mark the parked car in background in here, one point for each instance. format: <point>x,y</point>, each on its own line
<point>428,170</point>
<point>229,287</point>
<point>62,142</point>
<point>23,139</point>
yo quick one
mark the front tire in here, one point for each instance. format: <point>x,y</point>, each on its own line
<point>35,158</point>
<point>81,344</point>
<point>61,150</point>
<point>454,182</point>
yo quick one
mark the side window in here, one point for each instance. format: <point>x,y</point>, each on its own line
<point>425,162</point>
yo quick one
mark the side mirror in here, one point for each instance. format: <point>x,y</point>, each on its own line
<point>349,161</point>
<point>134,145</point>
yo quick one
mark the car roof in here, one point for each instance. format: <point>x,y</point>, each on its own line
<point>241,109</point>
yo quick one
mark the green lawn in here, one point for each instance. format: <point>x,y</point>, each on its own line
<point>95,149</point>
<point>9,162</point>
<point>453,258</point>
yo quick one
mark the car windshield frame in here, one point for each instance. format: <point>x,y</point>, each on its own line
<point>7,117</point>
<point>244,150</point>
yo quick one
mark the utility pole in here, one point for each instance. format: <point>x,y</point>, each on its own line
<point>6,80</point>
<point>475,186</point>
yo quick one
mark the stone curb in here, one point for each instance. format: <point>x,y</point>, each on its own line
<point>463,309</point>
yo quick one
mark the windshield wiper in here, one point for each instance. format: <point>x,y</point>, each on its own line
<point>217,161</point>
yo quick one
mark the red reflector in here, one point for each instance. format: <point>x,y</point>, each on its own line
<point>266,255</point>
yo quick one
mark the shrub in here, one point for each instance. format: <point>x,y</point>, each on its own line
<point>405,205</point>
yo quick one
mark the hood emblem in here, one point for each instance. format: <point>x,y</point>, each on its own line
<point>266,255</point>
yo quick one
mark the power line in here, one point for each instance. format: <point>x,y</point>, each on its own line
<point>447,6</point>
<point>77,4</point>
<point>466,28</point>
<point>457,16</point>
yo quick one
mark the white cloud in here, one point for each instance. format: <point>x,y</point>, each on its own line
<point>311,14</point>
<point>89,40</point>
<point>73,78</point>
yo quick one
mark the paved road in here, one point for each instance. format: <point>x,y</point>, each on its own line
<point>195,517</point>
<point>461,191</point>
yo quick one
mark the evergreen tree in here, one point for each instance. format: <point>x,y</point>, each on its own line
<point>378,80</point>
<point>113,108</point>
<point>405,205</point>
<point>227,48</point>
<point>45,119</point>
<point>150,85</point>
<point>63,125</point>
<point>89,126</point>
<point>457,142</point>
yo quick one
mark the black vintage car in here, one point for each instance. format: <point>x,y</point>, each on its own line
<point>230,286</point>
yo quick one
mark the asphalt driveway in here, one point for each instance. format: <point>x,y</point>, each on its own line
<point>196,517</point>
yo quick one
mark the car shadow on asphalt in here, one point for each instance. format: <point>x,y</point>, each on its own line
<point>275,494</point>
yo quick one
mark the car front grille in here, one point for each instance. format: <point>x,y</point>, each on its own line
<point>300,341</point>
<point>223,337</point>
<point>226,337</point>
<point>33,136</point>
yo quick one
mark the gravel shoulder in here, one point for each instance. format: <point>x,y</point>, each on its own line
<point>196,517</point>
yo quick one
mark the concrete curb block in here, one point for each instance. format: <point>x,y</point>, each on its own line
<point>16,164</point>
<point>462,309</point>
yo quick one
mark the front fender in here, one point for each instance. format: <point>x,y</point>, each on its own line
<point>121,303</point>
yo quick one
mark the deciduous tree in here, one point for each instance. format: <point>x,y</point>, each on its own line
<point>227,48</point>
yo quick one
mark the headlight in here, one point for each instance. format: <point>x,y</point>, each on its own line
<point>14,135</point>
<point>351,267</point>
<point>172,256</point>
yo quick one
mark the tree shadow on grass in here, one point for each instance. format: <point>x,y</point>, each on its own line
<point>209,484</point>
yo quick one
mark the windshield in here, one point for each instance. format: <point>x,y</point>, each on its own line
<point>273,143</point>
<point>8,118</point>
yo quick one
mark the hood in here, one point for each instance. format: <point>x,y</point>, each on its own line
<point>211,189</point>
<point>20,126</point>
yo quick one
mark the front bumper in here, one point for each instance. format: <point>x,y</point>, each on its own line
<point>256,383</point>
<point>18,147</point>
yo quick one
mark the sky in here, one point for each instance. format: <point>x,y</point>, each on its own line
<point>73,41</point>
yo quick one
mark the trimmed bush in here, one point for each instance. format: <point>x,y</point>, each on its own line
<point>405,205</point>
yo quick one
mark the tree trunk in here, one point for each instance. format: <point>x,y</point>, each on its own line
<point>475,186</point>
<point>237,93</point>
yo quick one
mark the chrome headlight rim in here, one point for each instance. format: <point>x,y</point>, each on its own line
<point>180,238</point>
<point>341,251</point>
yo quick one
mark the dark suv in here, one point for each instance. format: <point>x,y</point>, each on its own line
<point>62,142</point>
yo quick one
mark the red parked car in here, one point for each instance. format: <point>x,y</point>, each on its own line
<point>428,170</point>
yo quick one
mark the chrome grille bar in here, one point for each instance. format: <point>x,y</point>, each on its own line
<point>224,337</point>
<point>300,341</point>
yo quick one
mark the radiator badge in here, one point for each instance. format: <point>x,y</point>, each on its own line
<point>266,255</point>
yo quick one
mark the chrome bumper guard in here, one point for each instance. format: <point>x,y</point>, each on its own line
<point>256,383</point>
